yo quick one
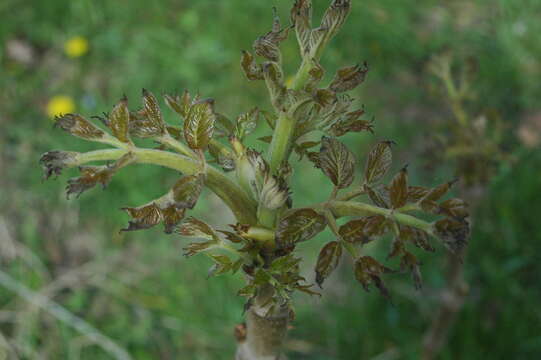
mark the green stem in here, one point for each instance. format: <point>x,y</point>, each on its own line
<point>352,194</point>
<point>243,207</point>
<point>285,125</point>
<point>168,140</point>
<point>352,250</point>
<point>280,146</point>
<point>353,208</point>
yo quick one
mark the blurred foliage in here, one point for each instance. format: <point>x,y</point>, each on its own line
<point>139,291</point>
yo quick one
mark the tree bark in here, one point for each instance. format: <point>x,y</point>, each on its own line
<point>265,333</point>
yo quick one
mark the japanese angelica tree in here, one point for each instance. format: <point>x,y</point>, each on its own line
<point>207,149</point>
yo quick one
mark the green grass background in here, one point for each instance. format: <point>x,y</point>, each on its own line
<point>138,290</point>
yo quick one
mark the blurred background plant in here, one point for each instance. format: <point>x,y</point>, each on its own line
<point>72,254</point>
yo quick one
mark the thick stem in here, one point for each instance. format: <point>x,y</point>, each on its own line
<point>243,207</point>
<point>265,333</point>
<point>281,143</point>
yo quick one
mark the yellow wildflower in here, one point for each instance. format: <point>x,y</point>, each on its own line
<point>59,105</point>
<point>76,46</point>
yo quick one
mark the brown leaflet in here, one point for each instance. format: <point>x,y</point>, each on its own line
<point>301,17</point>
<point>275,83</point>
<point>377,197</point>
<point>179,104</point>
<point>410,263</point>
<point>348,78</point>
<point>187,189</point>
<point>299,225</point>
<point>417,237</point>
<point>78,126</point>
<point>152,111</point>
<point>351,123</point>
<point>398,191</point>
<point>193,227</point>
<point>456,208</point>
<point>368,270</point>
<point>251,68</point>
<point>94,175</point>
<point>378,163</point>
<point>199,124</point>
<point>144,217</point>
<point>327,261</point>
<point>337,162</point>
<point>119,119</point>
<point>53,162</point>
<point>331,22</point>
<point>172,216</point>
<point>453,233</point>
<point>267,45</point>
<point>416,193</point>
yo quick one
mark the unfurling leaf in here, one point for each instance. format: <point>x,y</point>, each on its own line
<point>331,22</point>
<point>378,162</point>
<point>186,191</point>
<point>428,202</point>
<point>150,215</point>
<point>179,104</point>
<point>398,191</point>
<point>225,159</point>
<point>274,79</point>
<point>337,162</point>
<point>410,263</point>
<point>141,127</point>
<point>274,192</point>
<point>199,124</point>
<point>299,225</point>
<point>172,216</point>
<point>453,233</point>
<point>119,119</point>
<point>351,123</point>
<point>251,68</point>
<point>363,230</point>
<point>368,270</point>
<point>152,111</point>
<point>222,264</point>
<point>79,126</point>
<point>197,247</point>
<point>348,78</point>
<point>301,17</point>
<point>456,208</point>
<point>233,237</point>
<point>53,162</point>
<point>417,237</point>
<point>193,227</point>
<point>144,217</point>
<point>324,97</point>
<point>246,123</point>
<point>170,208</point>
<point>327,261</point>
<point>267,45</point>
<point>94,175</point>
